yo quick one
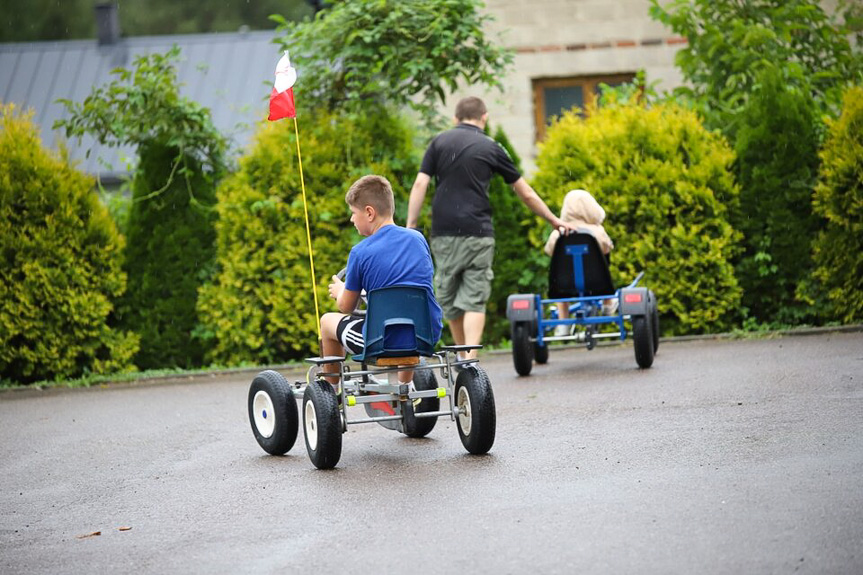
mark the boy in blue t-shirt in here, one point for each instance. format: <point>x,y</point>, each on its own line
<point>390,255</point>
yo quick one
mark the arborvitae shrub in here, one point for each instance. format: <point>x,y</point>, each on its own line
<point>777,162</point>
<point>664,182</point>
<point>170,252</point>
<point>60,258</point>
<point>518,266</point>
<point>838,249</point>
<point>260,306</point>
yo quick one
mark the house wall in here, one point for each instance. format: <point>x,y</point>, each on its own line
<point>563,38</point>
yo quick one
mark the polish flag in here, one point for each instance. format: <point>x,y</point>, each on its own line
<point>282,96</point>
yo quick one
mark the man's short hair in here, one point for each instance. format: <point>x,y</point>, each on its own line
<point>470,108</point>
<point>374,191</point>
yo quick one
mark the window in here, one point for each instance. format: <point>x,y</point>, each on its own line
<point>553,96</point>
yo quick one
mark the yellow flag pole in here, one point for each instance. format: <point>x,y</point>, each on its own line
<point>308,234</point>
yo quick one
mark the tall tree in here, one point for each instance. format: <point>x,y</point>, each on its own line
<point>404,54</point>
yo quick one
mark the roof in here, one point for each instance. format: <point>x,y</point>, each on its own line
<point>229,73</point>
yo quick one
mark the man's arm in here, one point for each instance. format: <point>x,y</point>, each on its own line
<point>418,196</point>
<point>537,206</point>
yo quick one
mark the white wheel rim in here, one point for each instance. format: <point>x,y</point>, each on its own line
<point>265,414</point>
<point>311,424</point>
<point>464,418</point>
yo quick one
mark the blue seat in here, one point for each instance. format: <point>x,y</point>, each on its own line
<point>579,268</point>
<point>398,324</point>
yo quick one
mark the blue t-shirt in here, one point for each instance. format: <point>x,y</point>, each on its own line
<point>394,256</point>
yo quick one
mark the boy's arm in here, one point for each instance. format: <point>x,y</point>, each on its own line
<point>346,300</point>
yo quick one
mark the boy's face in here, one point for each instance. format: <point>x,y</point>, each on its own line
<point>362,218</point>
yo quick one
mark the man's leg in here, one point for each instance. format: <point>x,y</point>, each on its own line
<point>473,324</point>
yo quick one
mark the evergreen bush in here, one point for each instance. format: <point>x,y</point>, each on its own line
<point>169,255</point>
<point>664,182</point>
<point>518,266</point>
<point>60,265</point>
<point>777,162</point>
<point>260,307</point>
<point>838,249</point>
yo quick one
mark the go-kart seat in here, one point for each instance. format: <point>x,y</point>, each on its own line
<point>578,268</point>
<point>397,326</point>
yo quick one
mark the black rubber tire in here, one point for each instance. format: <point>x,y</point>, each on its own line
<point>522,348</point>
<point>643,340</point>
<point>477,427</point>
<point>322,424</point>
<point>424,380</point>
<point>540,353</point>
<point>276,428</point>
<point>654,321</point>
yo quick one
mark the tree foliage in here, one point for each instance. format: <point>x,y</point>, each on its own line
<point>732,42</point>
<point>665,184</point>
<point>405,54</point>
<point>34,20</point>
<point>777,163</point>
<point>838,249</point>
<point>260,306</point>
<point>171,234</point>
<point>60,257</point>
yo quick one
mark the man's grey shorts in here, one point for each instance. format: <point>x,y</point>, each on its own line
<point>463,273</point>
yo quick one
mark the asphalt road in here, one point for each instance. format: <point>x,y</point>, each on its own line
<point>728,456</point>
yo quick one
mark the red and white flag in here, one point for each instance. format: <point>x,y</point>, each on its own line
<point>282,96</point>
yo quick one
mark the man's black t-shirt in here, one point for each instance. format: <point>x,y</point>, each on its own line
<point>462,161</point>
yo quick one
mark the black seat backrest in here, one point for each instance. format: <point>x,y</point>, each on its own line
<point>578,268</point>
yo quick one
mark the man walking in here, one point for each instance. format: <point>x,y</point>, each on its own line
<point>463,160</point>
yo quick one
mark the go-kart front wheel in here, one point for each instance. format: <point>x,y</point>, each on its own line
<point>522,348</point>
<point>273,412</point>
<point>540,353</point>
<point>424,380</point>
<point>642,336</point>
<point>323,424</point>
<point>654,320</point>
<point>477,419</point>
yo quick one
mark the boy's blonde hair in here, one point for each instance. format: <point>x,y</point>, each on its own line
<point>374,191</point>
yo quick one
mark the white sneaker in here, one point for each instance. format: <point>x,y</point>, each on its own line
<point>610,308</point>
<point>561,330</point>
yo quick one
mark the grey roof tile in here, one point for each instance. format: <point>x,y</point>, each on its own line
<point>229,73</point>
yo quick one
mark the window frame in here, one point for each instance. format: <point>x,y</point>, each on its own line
<point>589,85</point>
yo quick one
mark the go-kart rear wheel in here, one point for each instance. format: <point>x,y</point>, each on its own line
<point>654,320</point>
<point>522,348</point>
<point>540,353</point>
<point>424,380</point>
<point>273,412</point>
<point>642,340</point>
<point>477,419</point>
<point>322,424</point>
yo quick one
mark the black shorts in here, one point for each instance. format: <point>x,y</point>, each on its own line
<point>350,333</point>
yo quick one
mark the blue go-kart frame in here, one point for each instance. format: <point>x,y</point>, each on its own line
<point>579,278</point>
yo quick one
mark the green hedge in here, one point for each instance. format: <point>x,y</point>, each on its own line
<point>665,184</point>
<point>260,307</point>
<point>60,256</point>
<point>170,253</point>
<point>838,249</point>
<point>777,163</point>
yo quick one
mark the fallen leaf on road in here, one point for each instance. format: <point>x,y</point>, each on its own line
<point>93,534</point>
<point>124,528</point>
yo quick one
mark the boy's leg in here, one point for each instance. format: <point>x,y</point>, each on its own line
<point>330,343</point>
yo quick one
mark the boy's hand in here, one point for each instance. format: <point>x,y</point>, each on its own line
<point>336,287</point>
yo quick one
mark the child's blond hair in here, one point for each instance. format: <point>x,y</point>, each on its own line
<point>374,191</point>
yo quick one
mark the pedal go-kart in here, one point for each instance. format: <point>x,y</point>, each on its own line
<point>580,279</point>
<point>398,336</point>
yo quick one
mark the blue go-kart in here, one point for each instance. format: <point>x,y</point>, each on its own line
<point>398,336</point>
<point>579,278</point>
